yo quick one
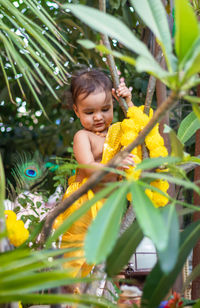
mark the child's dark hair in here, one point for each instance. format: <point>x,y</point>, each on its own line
<point>87,81</point>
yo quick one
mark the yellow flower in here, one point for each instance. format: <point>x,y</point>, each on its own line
<point>20,305</point>
<point>17,233</point>
<point>155,130</point>
<point>159,200</point>
<point>134,112</point>
<point>159,151</point>
<point>129,125</point>
<point>149,193</point>
<point>135,151</point>
<point>131,174</point>
<point>154,141</point>
<point>161,184</point>
<point>138,116</point>
<point>128,137</point>
<point>139,151</point>
<point>150,111</point>
<point>10,215</point>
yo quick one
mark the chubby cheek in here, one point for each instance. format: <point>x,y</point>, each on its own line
<point>86,121</point>
<point>109,118</point>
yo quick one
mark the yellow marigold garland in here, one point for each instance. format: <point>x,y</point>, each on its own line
<point>17,233</point>
<point>131,127</point>
<point>121,134</point>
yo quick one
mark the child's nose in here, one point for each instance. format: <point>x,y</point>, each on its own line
<point>97,116</point>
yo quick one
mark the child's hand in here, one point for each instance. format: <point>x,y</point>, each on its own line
<point>127,162</point>
<point>123,91</point>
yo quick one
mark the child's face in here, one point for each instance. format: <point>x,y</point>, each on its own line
<point>95,111</point>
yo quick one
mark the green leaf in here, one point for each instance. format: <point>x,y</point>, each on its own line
<point>89,45</point>
<point>176,145</point>
<point>195,101</point>
<point>168,257</point>
<point>192,82</point>
<point>186,184</point>
<point>86,44</point>
<point>149,217</point>
<point>89,301</point>
<point>144,64</point>
<point>197,305</point>
<point>154,16</point>
<point>196,109</point>
<point>190,63</point>
<point>187,29</point>
<point>103,232</point>
<point>109,25</point>
<point>116,54</point>
<point>192,276</point>
<point>192,159</point>
<point>124,249</point>
<point>24,264</point>
<point>188,127</point>
<point>158,283</point>
<point>2,193</point>
<point>192,99</point>
<point>150,163</point>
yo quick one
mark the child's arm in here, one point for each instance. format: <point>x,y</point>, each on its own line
<point>124,92</point>
<point>84,155</point>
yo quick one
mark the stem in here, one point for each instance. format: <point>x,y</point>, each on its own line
<point>97,176</point>
<point>111,62</point>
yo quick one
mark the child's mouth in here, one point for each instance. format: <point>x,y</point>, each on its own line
<point>99,124</point>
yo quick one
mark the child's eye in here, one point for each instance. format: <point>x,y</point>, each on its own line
<point>89,112</point>
<point>105,109</point>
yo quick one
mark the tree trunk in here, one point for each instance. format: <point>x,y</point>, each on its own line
<point>196,216</point>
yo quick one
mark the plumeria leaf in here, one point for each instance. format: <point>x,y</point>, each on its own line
<point>188,127</point>
<point>124,249</point>
<point>149,217</point>
<point>168,257</point>
<point>111,26</point>
<point>150,163</point>
<point>176,145</point>
<point>101,48</point>
<point>103,232</point>
<point>196,109</point>
<point>155,17</point>
<point>187,29</point>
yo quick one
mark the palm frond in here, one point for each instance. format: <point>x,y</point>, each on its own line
<point>34,48</point>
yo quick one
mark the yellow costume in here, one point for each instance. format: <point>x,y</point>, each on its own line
<point>119,136</point>
<point>75,235</point>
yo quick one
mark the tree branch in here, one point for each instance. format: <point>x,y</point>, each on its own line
<point>111,62</point>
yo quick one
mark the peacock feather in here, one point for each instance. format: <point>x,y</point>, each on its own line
<point>29,171</point>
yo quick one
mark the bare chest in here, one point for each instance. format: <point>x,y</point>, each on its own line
<point>97,143</point>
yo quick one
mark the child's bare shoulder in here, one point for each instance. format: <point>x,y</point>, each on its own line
<point>81,134</point>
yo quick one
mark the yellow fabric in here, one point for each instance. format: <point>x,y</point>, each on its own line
<point>75,235</point>
<point>112,143</point>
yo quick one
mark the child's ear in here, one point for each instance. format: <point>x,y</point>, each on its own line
<point>76,110</point>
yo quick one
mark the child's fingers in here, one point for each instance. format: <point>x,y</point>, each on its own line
<point>121,79</point>
<point>124,92</point>
<point>115,94</point>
